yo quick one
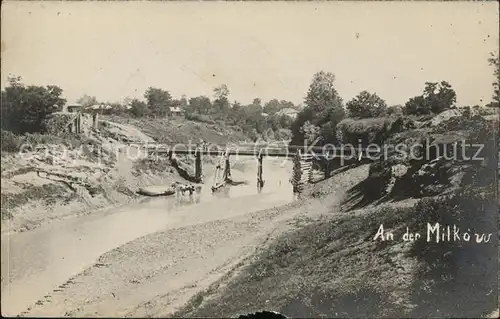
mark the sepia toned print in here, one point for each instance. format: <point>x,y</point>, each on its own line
<point>250,159</point>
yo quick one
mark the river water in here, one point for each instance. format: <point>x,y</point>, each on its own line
<point>38,261</point>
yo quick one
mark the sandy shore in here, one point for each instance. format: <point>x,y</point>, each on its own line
<point>157,274</point>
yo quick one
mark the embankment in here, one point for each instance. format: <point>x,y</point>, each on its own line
<point>49,181</point>
<point>335,267</point>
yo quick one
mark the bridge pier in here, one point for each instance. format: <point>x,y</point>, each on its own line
<point>227,167</point>
<point>260,180</point>
<point>302,172</point>
<point>327,166</point>
<point>198,166</point>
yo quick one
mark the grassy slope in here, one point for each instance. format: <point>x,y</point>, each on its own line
<point>333,268</point>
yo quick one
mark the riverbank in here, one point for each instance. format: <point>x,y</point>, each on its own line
<point>97,171</point>
<point>156,274</point>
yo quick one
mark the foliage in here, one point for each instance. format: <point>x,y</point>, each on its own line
<point>139,108</point>
<point>221,102</point>
<point>395,110</point>
<point>159,101</point>
<point>12,143</point>
<point>200,105</point>
<point>311,132</point>
<point>24,108</point>
<point>366,105</point>
<point>87,100</point>
<point>321,94</point>
<point>199,118</point>
<point>324,109</point>
<point>416,106</point>
<point>57,122</point>
<point>371,130</point>
<point>494,61</point>
<point>437,97</point>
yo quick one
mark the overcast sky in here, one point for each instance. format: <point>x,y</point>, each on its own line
<point>265,50</point>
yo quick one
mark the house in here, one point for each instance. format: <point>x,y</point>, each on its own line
<point>176,112</point>
<point>73,107</point>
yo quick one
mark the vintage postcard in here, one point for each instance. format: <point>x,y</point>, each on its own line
<point>285,159</point>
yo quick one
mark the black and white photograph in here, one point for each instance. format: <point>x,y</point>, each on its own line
<point>250,159</point>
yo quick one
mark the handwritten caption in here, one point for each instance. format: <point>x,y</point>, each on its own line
<point>435,233</point>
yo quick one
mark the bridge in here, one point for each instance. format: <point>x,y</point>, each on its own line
<point>303,157</point>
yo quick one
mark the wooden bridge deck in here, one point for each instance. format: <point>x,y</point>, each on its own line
<point>291,151</point>
<point>265,151</point>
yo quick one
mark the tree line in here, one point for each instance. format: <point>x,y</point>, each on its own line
<point>324,108</point>
<point>25,107</point>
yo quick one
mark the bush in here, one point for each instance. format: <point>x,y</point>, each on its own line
<point>25,107</point>
<point>371,130</point>
<point>57,123</point>
<point>11,142</point>
<point>199,118</point>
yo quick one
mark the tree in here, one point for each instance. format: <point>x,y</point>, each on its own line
<point>237,113</point>
<point>182,102</point>
<point>221,92</point>
<point>24,108</point>
<point>436,98</point>
<point>139,108</point>
<point>116,108</point>
<point>322,94</point>
<point>255,108</point>
<point>272,107</point>
<point>439,96</point>
<point>289,104</point>
<point>257,102</point>
<point>494,61</point>
<point>304,115</point>
<point>199,105</point>
<point>311,132</point>
<point>395,109</point>
<point>365,105</point>
<point>324,108</point>
<point>221,102</point>
<point>159,101</point>
<point>416,106</point>
<point>87,100</point>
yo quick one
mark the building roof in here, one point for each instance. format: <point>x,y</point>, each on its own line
<point>68,106</point>
<point>288,111</point>
<point>175,109</point>
<point>100,107</point>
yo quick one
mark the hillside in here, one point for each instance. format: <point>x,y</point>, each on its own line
<point>333,267</point>
<point>183,131</point>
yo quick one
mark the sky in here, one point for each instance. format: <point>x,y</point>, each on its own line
<point>258,49</point>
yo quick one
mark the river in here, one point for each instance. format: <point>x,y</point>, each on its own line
<point>38,261</point>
